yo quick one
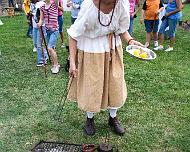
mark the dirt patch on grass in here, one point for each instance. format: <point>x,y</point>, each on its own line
<point>185,25</point>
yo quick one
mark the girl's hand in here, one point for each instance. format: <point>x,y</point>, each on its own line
<point>133,42</point>
<point>72,70</point>
<point>69,4</point>
<point>132,15</point>
<point>39,24</point>
<point>141,20</point>
<point>158,12</point>
<point>167,14</point>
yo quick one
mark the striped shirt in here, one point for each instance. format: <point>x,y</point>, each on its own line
<point>50,16</point>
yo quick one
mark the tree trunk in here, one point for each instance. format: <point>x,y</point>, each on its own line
<point>3,3</point>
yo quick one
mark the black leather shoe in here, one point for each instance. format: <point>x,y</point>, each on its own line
<point>89,126</point>
<point>113,122</point>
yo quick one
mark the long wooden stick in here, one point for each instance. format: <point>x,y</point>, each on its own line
<point>63,100</point>
<point>43,54</point>
<point>44,39</point>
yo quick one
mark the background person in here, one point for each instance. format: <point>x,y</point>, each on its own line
<point>170,20</point>
<point>36,32</point>
<point>61,22</point>
<point>133,13</point>
<point>149,14</point>
<point>11,3</point>
<point>26,8</point>
<point>49,13</point>
<point>75,8</point>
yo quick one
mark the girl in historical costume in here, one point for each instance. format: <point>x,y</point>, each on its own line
<point>96,59</point>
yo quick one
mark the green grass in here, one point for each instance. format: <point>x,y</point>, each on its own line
<point>156,114</point>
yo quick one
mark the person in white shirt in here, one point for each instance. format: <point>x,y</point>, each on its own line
<point>75,6</point>
<point>36,33</point>
<point>96,59</point>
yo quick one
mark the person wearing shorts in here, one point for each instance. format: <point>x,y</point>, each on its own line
<point>49,13</point>
<point>51,38</point>
<point>149,14</point>
<point>75,6</point>
<point>170,20</point>
<point>133,13</point>
<point>60,22</point>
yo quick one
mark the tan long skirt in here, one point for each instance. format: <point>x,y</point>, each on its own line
<point>100,81</point>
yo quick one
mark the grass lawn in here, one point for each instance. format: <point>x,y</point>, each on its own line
<point>156,114</point>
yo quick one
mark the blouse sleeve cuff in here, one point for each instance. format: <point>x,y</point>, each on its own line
<point>72,34</point>
<point>123,29</point>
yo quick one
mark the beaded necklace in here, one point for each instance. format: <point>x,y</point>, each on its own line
<point>110,17</point>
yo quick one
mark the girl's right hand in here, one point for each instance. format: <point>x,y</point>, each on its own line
<point>69,4</point>
<point>141,20</point>
<point>39,24</point>
<point>73,71</point>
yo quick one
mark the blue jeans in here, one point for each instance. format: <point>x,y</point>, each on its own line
<point>37,44</point>
<point>51,38</point>
<point>130,30</point>
<point>11,3</point>
<point>172,26</point>
<point>30,29</point>
<point>60,22</point>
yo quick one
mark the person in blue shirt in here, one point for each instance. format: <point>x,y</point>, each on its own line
<point>75,8</point>
<point>171,18</point>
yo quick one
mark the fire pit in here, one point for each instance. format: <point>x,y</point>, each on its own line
<point>56,147</point>
<point>44,146</point>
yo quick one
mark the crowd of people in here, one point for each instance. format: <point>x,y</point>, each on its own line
<point>95,48</point>
<point>150,15</point>
<point>49,24</point>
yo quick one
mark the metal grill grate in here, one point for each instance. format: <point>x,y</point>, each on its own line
<point>56,147</point>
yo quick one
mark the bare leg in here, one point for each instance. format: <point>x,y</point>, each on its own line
<point>148,37</point>
<point>159,47</point>
<point>62,37</point>
<point>161,39</point>
<point>155,35</point>
<point>172,41</point>
<point>53,55</point>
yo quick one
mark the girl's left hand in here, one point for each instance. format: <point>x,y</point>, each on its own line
<point>133,42</point>
<point>167,14</point>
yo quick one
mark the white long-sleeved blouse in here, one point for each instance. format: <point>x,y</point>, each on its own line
<point>90,35</point>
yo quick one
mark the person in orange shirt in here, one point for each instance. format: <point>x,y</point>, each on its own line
<point>26,9</point>
<point>149,14</point>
